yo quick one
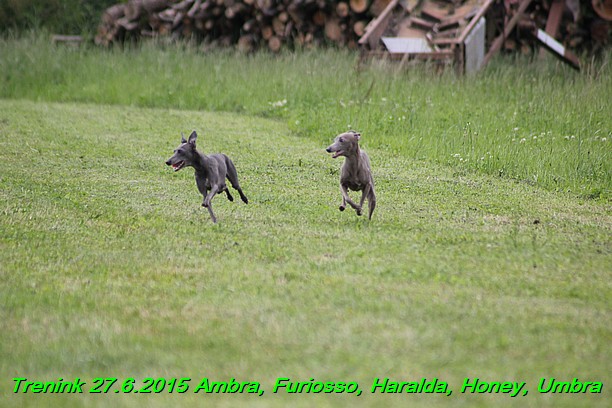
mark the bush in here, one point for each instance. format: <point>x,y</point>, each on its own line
<point>59,16</point>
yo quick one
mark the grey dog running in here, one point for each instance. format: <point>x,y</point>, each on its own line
<point>210,171</point>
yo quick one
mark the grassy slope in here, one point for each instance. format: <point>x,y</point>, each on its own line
<point>541,123</point>
<point>111,268</point>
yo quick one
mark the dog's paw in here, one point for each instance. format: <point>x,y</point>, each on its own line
<point>204,205</point>
<point>342,208</point>
<point>358,210</point>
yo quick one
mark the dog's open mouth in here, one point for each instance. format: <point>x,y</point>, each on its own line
<point>338,153</point>
<point>178,166</point>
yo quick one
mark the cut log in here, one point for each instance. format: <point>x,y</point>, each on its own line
<point>359,6</point>
<point>378,6</point>
<point>278,26</point>
<point>359,27</point>
<point>194,9</point>
<point>275,44</point>
<point>342,9</point>
<point>234,11</point>
<point>267,32</point>
<point>333,31</point>
<point>135,8</point>
<point>246,43</point>
<point>319,18</point>
<point>113,13</point>
<point>127,24</point>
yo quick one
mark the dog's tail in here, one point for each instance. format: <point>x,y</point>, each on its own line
<point>232,176</point>
<point>371,203</point>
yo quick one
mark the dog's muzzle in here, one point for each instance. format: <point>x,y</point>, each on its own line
<point>336,153</point>
<point>176,166</point>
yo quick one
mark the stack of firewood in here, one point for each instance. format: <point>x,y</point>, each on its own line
<point>247,24</point>
<point>273,24</point>
<point>581,26</point>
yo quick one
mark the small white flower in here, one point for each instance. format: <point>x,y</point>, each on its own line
<point>603,139</point>
<point>523,140</point>
<point>515,129</point>
<point>278,104</point>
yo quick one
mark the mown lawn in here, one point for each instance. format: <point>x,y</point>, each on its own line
<point>109,267</point>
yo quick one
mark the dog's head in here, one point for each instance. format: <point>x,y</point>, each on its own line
<point>184,154</point>
<point>345,144</point>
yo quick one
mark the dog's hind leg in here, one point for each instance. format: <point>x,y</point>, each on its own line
<point>229,195</point>
<point>365,193</point>
<point>232,176</point>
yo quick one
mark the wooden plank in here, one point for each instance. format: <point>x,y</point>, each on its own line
<point>557,48</point>
<point>554,19</point>
<point>437,55</point>
<point>376,28</point>
<point>499,41</point>
<point>419,22</point>
<point>434,11</point>
<point>74,39</point>
<point>481,12</point>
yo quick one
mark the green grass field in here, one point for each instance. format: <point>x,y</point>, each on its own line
<point>110,268</point>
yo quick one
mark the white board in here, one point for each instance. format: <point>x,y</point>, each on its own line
<point>401,45</point>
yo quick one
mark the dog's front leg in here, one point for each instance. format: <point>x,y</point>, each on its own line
<point>343,205</point>
<point>210,195</point>
<point>346,198</point>
<point>210,211</point>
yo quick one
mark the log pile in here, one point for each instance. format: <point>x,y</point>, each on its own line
<point>246,24</point>
<point>274,24</point>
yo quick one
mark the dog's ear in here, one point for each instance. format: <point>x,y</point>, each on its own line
<point>192,137</point>
<point>183,140</point>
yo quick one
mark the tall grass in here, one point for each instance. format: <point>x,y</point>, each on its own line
<point>538,122</point>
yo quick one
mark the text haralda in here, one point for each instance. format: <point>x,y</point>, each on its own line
<point>425,386</point>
